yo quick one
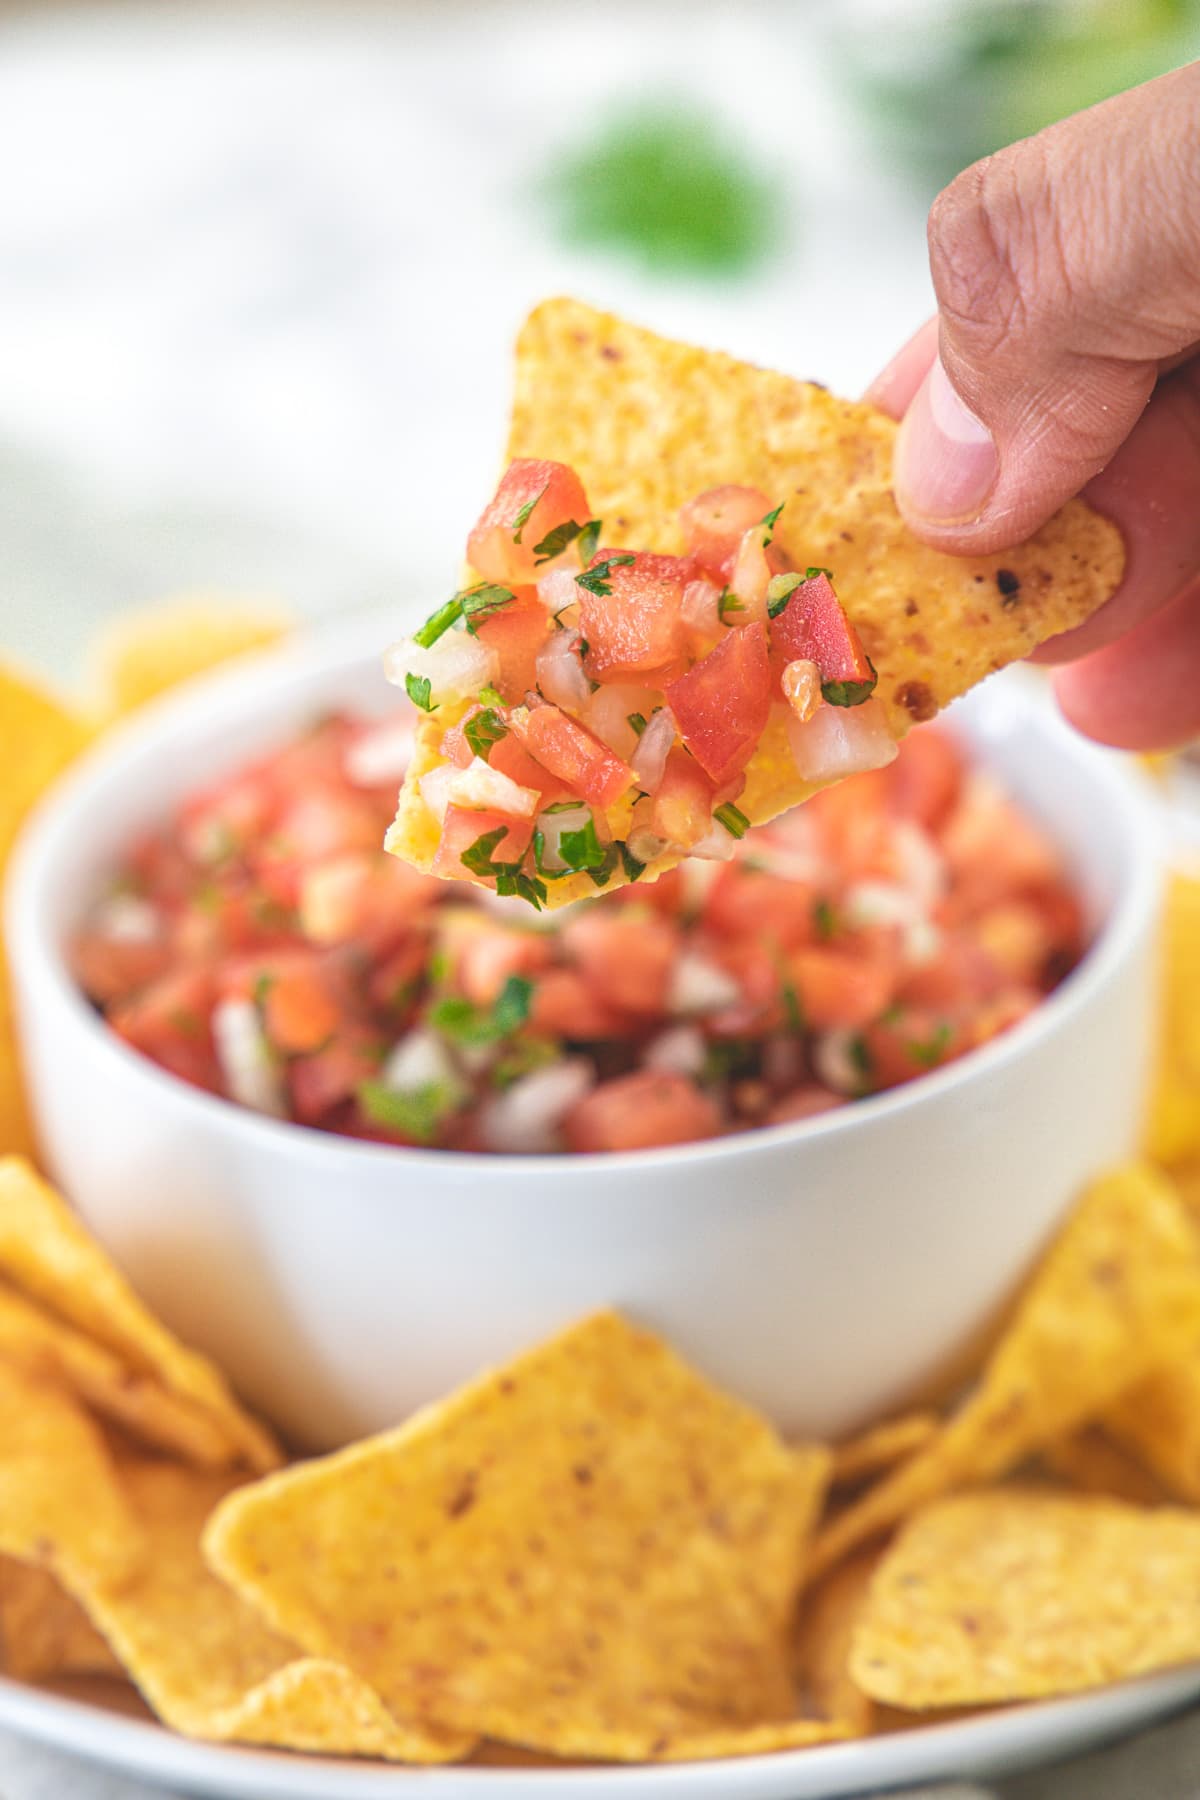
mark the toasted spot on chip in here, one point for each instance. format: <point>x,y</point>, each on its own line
<point>139,1403</point>
<point>43,1632</point>
<point>1016,1594</point>
<point>881,1445</point>
<point>204,1660</point>
<point>591,1618</point>
<point>47,1255</point>
<point>1117,1293</point>
<point>60,1502</point>
<point>143,653</point>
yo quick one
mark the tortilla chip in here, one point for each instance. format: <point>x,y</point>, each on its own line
<point>46,1254</point>
<point>203,1659</point>
<point>1173,1124</point>
<point>649,423</point>
<point>1090,1462</point>
<point>882,1445</point>
<point>39,736</point>
<point>750,1740</point>
<point>139,1403</point>
<point>829,1614</point>
<point>60,1502</point>
<point>142,654</point>
<point>43,1631</point>
<point>1158,1421</point>
<point>1118,1293</point>
<point>590,1551</point>
<point>1017,1594</point>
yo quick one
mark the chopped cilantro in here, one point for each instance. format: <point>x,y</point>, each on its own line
<point>464,1023</point>
<point>439,622</point>
<point>850,693</point>
<point>521,1058</point>
<point>185,1022</point>
<point>633,868</point>
<point>814,569</point>
<point>522,518</point>
<point>581,849</point>
<point>539,855</point>
<point>483,729</point>
<point>477,857</point>
<point>793,1012</point>
<point>415,1115</point>
<point>824,918</point>
<point>733,819</point>
<point>419,692</point>
<point>490,696</point>
<point>860,1055</point>
<point>771,520</point>
<point>263,984</point>
<point>602,872</point>
<point>481,601</point>
<point>780,589</point>
<point>589,541</point>
<point>558,540</point>
<point>561,806</point>
<point>930,1052</point>
<point>598,580</point>
<point>636,723</point>
<point>728,603</point>
<point>510,878</point>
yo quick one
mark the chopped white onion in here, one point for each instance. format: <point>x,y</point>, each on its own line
<point>456,666</point>
<point>553,824</point>
<point>127,919</point>
<point>649,760</point>
<point>380,756</point>
<point>608,713</point>
<point>717,844</point>
<point>249,1067</point>
<point>527,1117</point>
<point>922,943</point>
<point>435,789</point>
<point>480,788</point>
<point>420,1060</point>
<point>680,1050</point>
<point>834,1062</point>
<point>841,740</point>
<point>560,673</point>
<point>879,903</point>
<point>700,607</point>
<point>557,589</point>
<point>700,986</point>
<point>696,879</point>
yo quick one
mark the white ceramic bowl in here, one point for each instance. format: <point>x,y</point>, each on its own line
<point>824,1270</point>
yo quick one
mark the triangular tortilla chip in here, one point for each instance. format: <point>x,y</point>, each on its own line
<point>43,1631</point>
<point>590,1552</point>
<point>46,1253</point>
<point>649,423</point>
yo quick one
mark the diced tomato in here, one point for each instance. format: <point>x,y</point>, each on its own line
<point>715,522</point>
<point>1005,1011</point>
<point>640,1112</point>
<point>564,1006</point>
<point>813,626</point>
<point>681,807</point>
<point>626,959</point>
<point>454,746</point>
<point>960,976</point>
<point>752,903</point>
<point>721,705</point>
<point>756,967</point>
<point>461,828</point>
<point>551,491</point>
<point>225,820</point>
<point>804,1103</point>
<point>907,1045</point>
<point>516,633</point>
<point>511,758</point>
<point>229,914</point>
<point>365,897</point>
<point>993,852</point>
<point>583,764</point>
<point>840,987</point>
<point>638,629</point>
<point>109,968</point>
<point>322,821</point>
<point>171,1022</point>
<point>394,984</point>
<point>926,778</point>
<point>332,1074</point>
<point>484,955</point>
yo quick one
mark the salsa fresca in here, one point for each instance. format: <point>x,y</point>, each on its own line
<point>595,710</point>
<point>263,947</point>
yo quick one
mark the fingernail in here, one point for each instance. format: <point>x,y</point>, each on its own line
<point>946,462</point>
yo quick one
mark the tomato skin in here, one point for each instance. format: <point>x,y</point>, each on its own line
<point>555,494</point>
<point>681,808</point>
<point>583,765</point>
<point>722,704</point>
<point>840,987</point>
<point>462,827</point>
<point>715,522</point>
<point>813,627</point>
<point>511,758</point>
<point>171,1022</point>
<point>626,960</point>
<point>638,629</point>
<point>516,633</point>
<point>566,1007</point>
<point>641,1112</point>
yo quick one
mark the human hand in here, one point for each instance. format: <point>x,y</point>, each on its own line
<point>1065,358</point>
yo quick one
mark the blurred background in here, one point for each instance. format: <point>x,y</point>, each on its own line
<point>261,264</point>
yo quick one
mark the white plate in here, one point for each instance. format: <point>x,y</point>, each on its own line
<point>999,1743</point>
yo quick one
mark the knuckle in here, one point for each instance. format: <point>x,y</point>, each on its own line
<point>996,251</point>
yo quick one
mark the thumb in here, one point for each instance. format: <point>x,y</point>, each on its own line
<point>1064,269</point>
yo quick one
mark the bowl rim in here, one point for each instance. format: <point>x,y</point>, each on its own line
<point>199,707</point>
